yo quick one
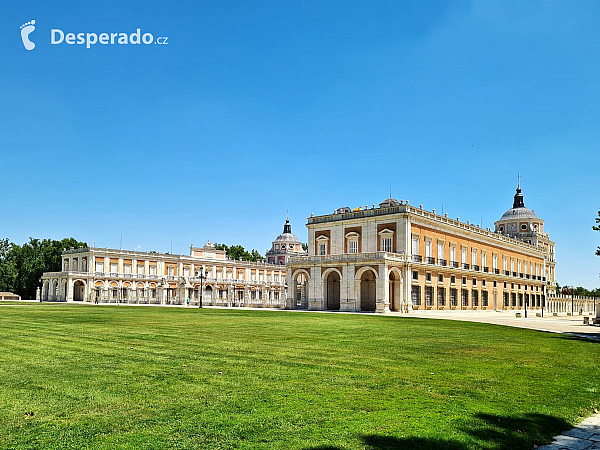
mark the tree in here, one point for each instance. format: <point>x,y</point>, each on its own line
<point>238,252</point>
<point>597,228</point>
<point>305,247</point>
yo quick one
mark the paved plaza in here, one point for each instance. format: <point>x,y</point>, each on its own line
<point>554,324</point>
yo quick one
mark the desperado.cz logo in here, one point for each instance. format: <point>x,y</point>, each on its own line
<point>58,36</point>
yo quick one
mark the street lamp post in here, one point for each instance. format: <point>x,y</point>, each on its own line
<point>203,275</point>
<point>526,300</point>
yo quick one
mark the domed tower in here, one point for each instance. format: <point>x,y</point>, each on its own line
<point>523,224</point>
<point>285,246</point>
<point>520,222</point>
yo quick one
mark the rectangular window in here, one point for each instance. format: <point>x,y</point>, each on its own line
<point>440,278</point>
<point>495,284</point>
<point>152,270</point>
<point>465,297</point>
<point>506,299</point>
<point>475,297</point>
<point>99,267</point>
<point>484,298</point>
<point>483,283</point>
<point>453,297</point>
<point>452,279</point>
<point>504,264</point>
<point>441,297</point>
<point>186,272</point>
<point>415,275</point>
<point>322,249</point>
<point>495,262</point>
<point>474,281</point>
<point>415,245</point>
<point>473,257</point>
<point>140,269</point>
<point>440,251</point>
<point>429,296</point>
<point>353,247</point>
<point>386,245</point>
<point>170,271</point>
<point>483,260</point>
<point>464,280</point>
<point>416,295</point>
<point>427,249</point>
<point>127,268</point>
<point>453,254</point>
<point>464,256</point>
<point>113,267</point>
<point>428,276</point>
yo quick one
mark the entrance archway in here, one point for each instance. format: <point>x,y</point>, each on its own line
<point>78,291</point>
<point>207,295</point>
<point>367,291</point>
<point>299,290</point>
<point>332,287</point>
<point>394,291</point>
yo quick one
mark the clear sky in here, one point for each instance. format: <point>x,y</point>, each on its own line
<point>254,108</point>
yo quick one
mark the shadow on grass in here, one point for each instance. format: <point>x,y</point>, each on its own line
<point>587,336</point>
<point>487,431</point>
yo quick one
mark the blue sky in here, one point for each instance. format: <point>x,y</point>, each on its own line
<point>254,108</point>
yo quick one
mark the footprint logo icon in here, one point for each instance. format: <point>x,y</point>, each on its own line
<point>26,30</point>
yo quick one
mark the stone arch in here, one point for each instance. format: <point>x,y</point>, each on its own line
<point>368,290</point>
<point>63,290</point>
<point>299,289</point>
<point>362,270</point>
<point>332,279</point>
<point>45,290</point>
<point>395,289</point>
<point>79,290</point>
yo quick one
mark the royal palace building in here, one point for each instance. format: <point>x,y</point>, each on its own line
<point>397,257</point>
<point>121,276</point>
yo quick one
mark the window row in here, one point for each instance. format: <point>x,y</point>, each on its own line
<point>468,297</point>
<point>525,268</point>
<point>474,281</point>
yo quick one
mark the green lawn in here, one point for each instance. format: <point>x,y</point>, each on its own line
<point>143,377</point>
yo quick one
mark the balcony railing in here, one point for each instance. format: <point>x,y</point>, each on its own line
<point>506,272</point>
<point>521,275</point>
<point>486,269</point>
<point>417,258</point>
<point>430,260</point>
<point>475,267</point>
<point>497,271</point>
<point>465,266</point>
<point>514,274</point>
<point>527,276</point>
<point>454,264</point>
<point>441,262</point>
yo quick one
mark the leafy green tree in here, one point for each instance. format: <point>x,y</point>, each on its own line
<point>597,228</point>
<point>8,269</point>
<point>238,252</point>
<point>305,247</point>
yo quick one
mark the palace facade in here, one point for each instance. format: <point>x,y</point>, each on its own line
<point>122,276</point>
<point>397,257</point>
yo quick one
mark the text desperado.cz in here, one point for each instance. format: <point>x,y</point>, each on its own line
<point>58,36</point>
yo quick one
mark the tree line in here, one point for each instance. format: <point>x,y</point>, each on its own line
<point>238,252</point>
<point>22,266</point>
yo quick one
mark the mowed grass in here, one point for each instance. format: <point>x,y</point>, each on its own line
<point>104,377</point>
